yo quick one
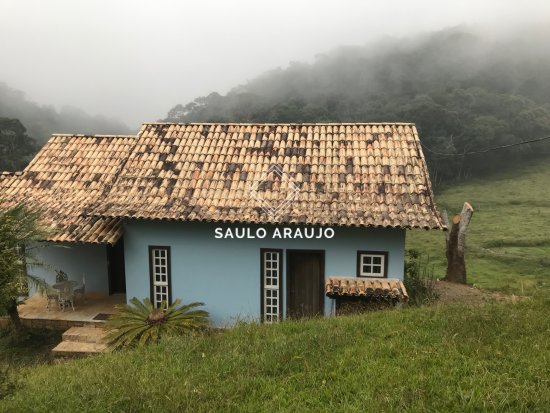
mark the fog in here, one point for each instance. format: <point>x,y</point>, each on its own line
<point>134,60</point>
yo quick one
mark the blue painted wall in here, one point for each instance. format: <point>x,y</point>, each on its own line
<point>76,260</point>
<point>225,273</point>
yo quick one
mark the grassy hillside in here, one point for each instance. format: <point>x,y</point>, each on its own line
<point>508,244</point>
<point>464,359</point>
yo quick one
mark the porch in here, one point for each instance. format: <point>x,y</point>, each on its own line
<point>89,311</point>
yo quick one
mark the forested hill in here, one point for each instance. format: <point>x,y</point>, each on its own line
<point>25,126</point>
<point>41,121</point>
<point>16,147</point>
<point>464,91</point>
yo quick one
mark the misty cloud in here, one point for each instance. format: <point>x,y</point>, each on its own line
<point>134,60</point>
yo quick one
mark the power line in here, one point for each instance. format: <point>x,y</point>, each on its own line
<point>495,148</point>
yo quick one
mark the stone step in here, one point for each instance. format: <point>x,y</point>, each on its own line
<point>86,334</point>
<point>78,348</point>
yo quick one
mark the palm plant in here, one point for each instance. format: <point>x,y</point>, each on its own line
<point>20,231</point>
<point>140,323</point>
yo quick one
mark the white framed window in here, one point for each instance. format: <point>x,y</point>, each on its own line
<point>271,265</point>
<point>372,264</point>
<point>159,266</point>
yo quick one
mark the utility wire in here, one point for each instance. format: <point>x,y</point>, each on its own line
<point>495,148</point>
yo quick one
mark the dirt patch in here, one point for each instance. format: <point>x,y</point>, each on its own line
<point>453,293</point>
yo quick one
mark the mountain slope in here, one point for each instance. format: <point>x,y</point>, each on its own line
<point>42,121</point>
<point>465,92</point>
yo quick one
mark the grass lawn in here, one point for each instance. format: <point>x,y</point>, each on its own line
<point>493,357</point>
<point>34,348</point>
<point>508,243</point>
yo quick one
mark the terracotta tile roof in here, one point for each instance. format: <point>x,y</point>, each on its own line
<point>329,174</point>
<point>368,288</point>
<point>69,175</point>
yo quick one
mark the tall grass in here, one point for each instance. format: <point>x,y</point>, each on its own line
<point>419,279</point>
<point>26,349</point>
<point>452,359</point>
<point>7,383</point>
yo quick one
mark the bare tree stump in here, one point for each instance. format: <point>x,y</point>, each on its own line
<point>456,242</point>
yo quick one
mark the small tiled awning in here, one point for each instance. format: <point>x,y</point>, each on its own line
<point>367,288</point>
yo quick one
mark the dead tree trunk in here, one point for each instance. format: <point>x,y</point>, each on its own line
<point>456,242</point>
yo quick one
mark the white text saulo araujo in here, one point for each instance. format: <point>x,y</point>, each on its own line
<point>276,232</point>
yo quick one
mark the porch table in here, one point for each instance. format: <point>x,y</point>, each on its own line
<point>65,293</point>
<point>65,285</point>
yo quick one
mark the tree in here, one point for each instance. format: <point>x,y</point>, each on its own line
<point>456,244</point>
<point>16,147</point>
<point>20,227</point>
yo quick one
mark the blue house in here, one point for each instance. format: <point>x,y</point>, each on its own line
<point>258,221</point>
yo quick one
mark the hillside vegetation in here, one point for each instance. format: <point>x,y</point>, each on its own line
<point>508,244</point>
<point>25,126</point>
<point>16,147</point>
<point>452,359</point>
<point>464,91</point>
<point>42,120</point>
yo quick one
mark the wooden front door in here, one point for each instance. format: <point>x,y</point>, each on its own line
<point>305,279</point>
<point>117,274</point>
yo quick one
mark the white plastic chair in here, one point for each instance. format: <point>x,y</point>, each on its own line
<point>52,295</point>
<point>66,296</point>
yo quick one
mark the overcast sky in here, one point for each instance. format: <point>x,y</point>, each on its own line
<point>135,59</point>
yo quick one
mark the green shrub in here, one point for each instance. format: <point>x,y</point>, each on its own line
<point>419,279</point>
<point>140,323</point>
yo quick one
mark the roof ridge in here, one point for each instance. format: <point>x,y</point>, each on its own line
<point>83,135</point>
<point>281,123</point>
